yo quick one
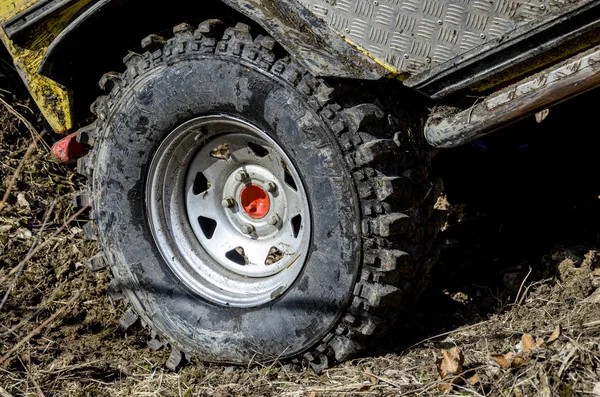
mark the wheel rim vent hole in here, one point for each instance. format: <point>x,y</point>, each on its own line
<point>296,224</point>
<point>238,256</point>
<point>289,180</point>
<point>201,184</point>
<point>208,226</point>
<point>258,150</point>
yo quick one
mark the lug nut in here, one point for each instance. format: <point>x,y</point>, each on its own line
<point>228,202</point>
<point>271,187</point>
<point>241,176</point>
<point>273,220</point>
<point>247,228</point>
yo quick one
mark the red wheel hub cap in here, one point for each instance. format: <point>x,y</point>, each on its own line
<point>255,201</point>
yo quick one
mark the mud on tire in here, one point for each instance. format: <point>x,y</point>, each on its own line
<point>360,161</point>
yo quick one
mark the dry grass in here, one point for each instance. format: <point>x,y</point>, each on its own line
<point>62,337</point>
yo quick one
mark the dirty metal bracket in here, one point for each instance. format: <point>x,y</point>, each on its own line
<point>547,88</point>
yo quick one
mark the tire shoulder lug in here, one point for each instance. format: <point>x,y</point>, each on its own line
<point>175,359</point>
<point>97,262</point>
<point>90,231</point>
<point>81,199</point>
<point>128,319</point>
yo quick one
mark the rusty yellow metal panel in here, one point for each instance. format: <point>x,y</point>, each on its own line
<point>10,8</point>
<point>53,99</point>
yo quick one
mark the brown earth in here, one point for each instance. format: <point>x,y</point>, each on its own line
<point>521,256</point>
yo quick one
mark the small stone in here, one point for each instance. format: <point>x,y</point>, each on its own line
<point>23,234</point>
<point>22,201</point>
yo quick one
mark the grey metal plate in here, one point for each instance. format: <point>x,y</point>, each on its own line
<point>415,35</point>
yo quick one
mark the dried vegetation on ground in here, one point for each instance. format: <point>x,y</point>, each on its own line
<point>513,308</point>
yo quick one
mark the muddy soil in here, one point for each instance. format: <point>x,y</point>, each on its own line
<point>521,257</point>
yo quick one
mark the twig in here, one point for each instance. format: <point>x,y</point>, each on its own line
<point>444,334</point>
<point>531,286</point>
<point>36,331</point>
<point>17,172</point>
<point>32,315</point>
<point>389,382</point>
<point>521,287</point>
<point>21,265</point>
<point>276,359</point>
<point>39,247</point>
<point>30,127</point>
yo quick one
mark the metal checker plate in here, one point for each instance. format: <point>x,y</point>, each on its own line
<point>414,35</point>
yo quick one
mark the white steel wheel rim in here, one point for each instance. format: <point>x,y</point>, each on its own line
<point>199,179</point>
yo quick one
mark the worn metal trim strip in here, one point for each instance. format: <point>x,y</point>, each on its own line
<point>548,88</point>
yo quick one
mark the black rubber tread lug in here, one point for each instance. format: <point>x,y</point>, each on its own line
<point>87,135</point>
<point>90,231</point>
<point>387,260</point>
<point>152,42</point>
<point>97,262</point>
<point>380,296</point>
<point>109,81</point>
<point>212,28</point>
<point>128,319</point>
<point>393,188</point>
<point>155,344</point>
<point>185,31</point>
<point>344,348</point>
<point>321,363</point>
<point>81,199</point>
<point>114,291</point>
<point>392,225</point>
<point>361,115</point>
<point>175,359</point>
<point>375,151</point>
<point>84,166</point>
<point>99,107</point>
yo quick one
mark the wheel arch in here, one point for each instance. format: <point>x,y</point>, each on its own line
<point>98,37</point>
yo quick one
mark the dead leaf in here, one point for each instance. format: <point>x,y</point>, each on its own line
<point>518,361</point>
<point>541,115</point>
<point>503,360</point>
<point>474,380</point>
<point>451,362</point>
<point>556,334</point>
<point>527,343</point>
<point>539,342</point>
<point>313,394</point>
<point>445,387</point>
<point>365,387</point>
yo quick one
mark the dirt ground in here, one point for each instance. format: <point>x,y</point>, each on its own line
<point>513,307</point>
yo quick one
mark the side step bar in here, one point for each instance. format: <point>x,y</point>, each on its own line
<point>450,128</point>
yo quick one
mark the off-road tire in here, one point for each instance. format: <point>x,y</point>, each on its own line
<point>360,156</point>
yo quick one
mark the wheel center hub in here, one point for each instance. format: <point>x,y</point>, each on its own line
<point>255,201</point>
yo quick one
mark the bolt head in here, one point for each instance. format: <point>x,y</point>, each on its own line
<point>241,176</point>
<point>228,202</point>
<point>273,220</point>
<point>247,228</point>
<point>271,187</point>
